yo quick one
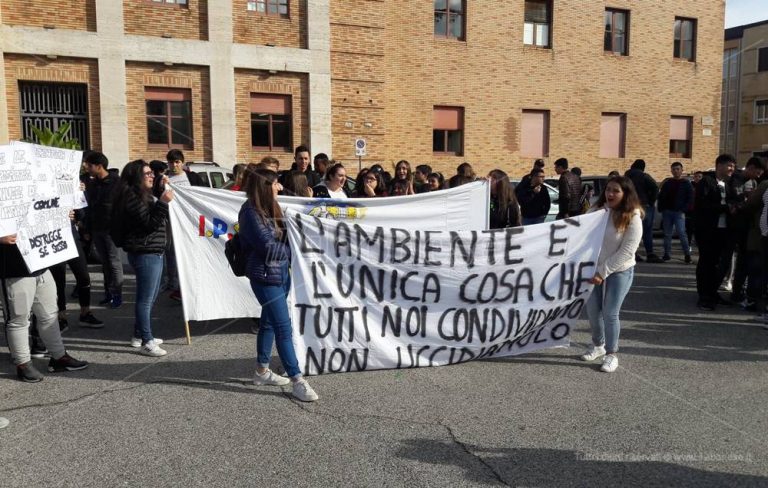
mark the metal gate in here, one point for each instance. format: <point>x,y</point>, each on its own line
<point>50,104</point>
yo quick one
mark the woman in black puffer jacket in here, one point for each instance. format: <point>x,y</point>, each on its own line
<point>144,219</point>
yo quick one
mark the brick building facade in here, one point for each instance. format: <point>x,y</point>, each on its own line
<point>744,119</point>
<point>497,84</point>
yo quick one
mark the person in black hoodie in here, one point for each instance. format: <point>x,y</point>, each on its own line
<point>715,202</point>
<point>647,191</point>
<point>533,197</point>
<point>144,219</point>
<point>99,192</point>
<point>25,293</point>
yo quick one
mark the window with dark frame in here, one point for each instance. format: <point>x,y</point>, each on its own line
<point>449,18</point>
<point>762,59</point>
<point>616,31</point>
<point>685,39</point>
<point>271,127</point>
<point>169,117</point>
<point>680,135</point>
<point>448,130</point>
<point>269,7</point>
<point>537,27</point>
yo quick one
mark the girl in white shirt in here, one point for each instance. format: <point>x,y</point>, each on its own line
<point>615,269</point>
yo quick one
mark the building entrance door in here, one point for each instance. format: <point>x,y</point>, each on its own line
<point>48,105</point>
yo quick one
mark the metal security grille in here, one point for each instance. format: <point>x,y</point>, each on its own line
<point>50,104</point>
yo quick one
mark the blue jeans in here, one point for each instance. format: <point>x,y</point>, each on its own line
<point>650,212</point>
<point>670,218</point>
<point>603,311</point>
<point>533,220</point>
<point>275,325</point>
<point>148,269</point>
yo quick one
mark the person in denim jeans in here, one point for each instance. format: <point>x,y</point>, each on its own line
<point>146,218</point>
<point>675,196</point>
<point>615,269</point>
<point>263,240</point>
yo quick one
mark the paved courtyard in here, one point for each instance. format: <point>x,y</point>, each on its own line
<point>688,406</point>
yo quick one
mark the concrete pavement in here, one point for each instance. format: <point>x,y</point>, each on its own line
<point>686,407</point>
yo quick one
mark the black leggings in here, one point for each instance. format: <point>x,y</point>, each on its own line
<point>79,267</point>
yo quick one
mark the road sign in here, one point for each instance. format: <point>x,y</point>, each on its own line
<point>360,147</point>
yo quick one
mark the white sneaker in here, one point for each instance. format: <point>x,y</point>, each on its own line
<point>303,392</point>
<point>594,352</point>
<point>136,341</point>
<point>610,363</point>
<point>269,378</point>
<point>152,349</point>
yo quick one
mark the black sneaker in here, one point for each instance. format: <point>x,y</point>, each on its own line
<point>38,351</point>
<point>66,363</point>
<point>688,259</point>
<point>706,306</point>
<point>666,257</point>
<point>89,321</point>
<point>107,299</point>
<point>652,258</point>
<point>28,373</point>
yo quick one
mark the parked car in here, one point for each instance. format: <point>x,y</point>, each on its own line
<point>211,174</point>
<point>553,197</point>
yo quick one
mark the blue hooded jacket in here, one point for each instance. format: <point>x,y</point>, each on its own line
<point>265,254</point>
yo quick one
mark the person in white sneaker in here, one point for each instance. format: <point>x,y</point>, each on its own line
<point>263,237</point>
<point>615,269</point>
<point>145,218</point>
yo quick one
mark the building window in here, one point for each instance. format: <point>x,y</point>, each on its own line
<point>613,135</point>
<point>680,137</point>
<point>616,31</point>
<point>170,2</point>
<point>685,39</point>
<point>534,134</point>
<point>762,59</point>
<point>538,21</point>
<point>269,7</point>
<point>449,18</point>
<point>169,117</point>
<point>448,130</point>
<point>761,112</point>
<point>271,122</point>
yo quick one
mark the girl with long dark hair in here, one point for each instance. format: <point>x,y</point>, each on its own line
<point>615,269</point>
<point>402,183</point>
<point>144,218</point>
<point>268,255</point>
<point>505,211</point>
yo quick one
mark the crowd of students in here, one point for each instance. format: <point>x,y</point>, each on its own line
<point>727,213</point>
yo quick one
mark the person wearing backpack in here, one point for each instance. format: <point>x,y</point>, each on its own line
<point>144,221</point>
<point>264,239</point>
<point>99,192</point>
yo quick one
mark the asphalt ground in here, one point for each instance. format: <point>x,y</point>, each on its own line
<point>687,407</point>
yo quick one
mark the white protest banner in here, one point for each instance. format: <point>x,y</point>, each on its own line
<point>203,219</point>
<point>45,236</point>
<point>366,298</point>
<point>16,187</point>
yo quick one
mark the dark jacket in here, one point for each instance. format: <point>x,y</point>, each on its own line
<point>509,219</point>
<point>321,191</point>
<point>645,185</point>
<point>146,224</point>
<point>12,264</point>
<point>100,195</point>
<point>265,254</point>
<point>708,205</point>
<point>569,187</point>
<point>676,201</point>
<point>532,204</point>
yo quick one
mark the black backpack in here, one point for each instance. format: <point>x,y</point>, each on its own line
<point>118,226</point>
<point>235,255</point>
